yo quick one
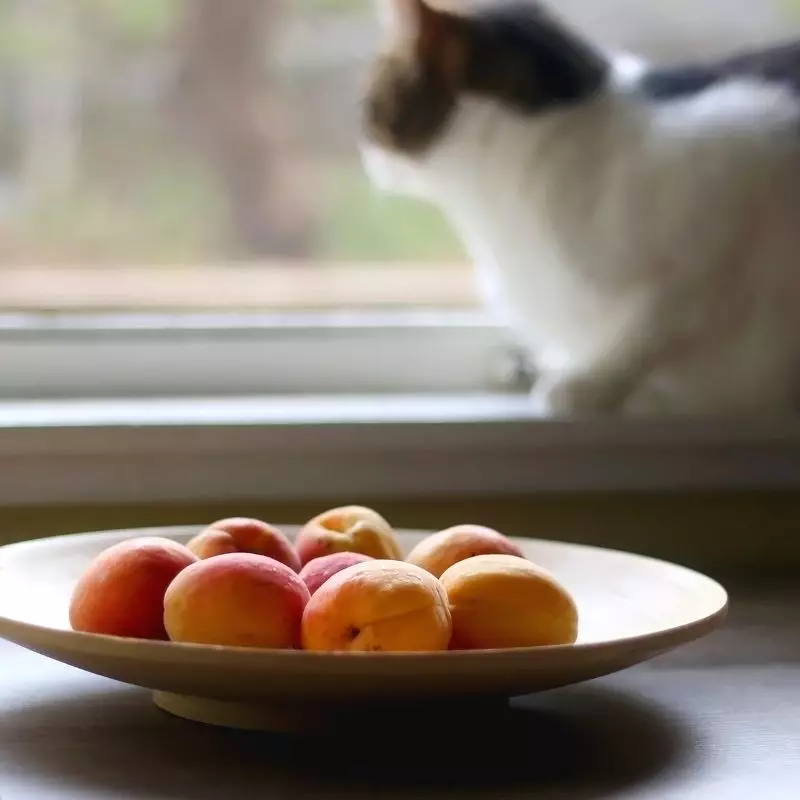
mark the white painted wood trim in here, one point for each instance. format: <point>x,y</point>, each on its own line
<point>349,448</point>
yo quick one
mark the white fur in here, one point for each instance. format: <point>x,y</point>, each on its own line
<point>647,254</point>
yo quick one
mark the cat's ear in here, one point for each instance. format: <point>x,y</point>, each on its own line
<point>408,19</point>
<point>433,32</point>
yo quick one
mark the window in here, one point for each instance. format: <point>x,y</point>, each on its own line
<point>182,209</point>
<point>183,212</point>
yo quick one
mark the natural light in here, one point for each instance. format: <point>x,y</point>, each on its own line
<point>188,238</point>
<point>167,165</point>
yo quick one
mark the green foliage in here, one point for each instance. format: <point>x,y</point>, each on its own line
<point>362,225</point>
<point>31,43</point>
<point>169,214</point>
<point>139,198</point>
<point>44,42</point>
<point>335,5</point>
<point>137,20</point>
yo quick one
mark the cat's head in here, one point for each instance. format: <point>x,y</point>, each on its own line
<point>436,56</point>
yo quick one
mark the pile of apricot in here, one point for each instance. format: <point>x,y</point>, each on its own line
<point>343,585</point>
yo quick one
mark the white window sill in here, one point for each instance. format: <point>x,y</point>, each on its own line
<point>358,448</point>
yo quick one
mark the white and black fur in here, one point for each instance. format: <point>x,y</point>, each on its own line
<point>637,227</point>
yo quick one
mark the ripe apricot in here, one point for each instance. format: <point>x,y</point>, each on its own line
<point>318,570</point>
<point>122,591</point>
<point>499,601</point>
<point>245,535</point>
<point>379,605</point>
<point>238,600</point>
<point>438,552</point>
<point>353,529</point>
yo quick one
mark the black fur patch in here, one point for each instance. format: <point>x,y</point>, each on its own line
<point>778,64</point>
<point>672,84</point>
<point>511,51</point>
<point>553,66</point>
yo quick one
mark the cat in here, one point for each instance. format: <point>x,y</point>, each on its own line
<point>637,227</point>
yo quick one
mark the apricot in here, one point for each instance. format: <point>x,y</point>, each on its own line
<point>499,601</point>
<point>122,591</point>
<point>238,600</point>
<point>378,606</point>
<point>438,552</point>
<point>245,535</point>
<point>318,570</point>
<point>353,529</point>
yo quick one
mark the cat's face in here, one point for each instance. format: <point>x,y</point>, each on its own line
<point>412,91</point>
<point>435,57</point>
<point>416,80</point>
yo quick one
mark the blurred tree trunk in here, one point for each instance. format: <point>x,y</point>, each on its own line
<point>235,113</point>
<point>48,82</point>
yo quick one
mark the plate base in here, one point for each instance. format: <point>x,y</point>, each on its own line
<point>309,717</point>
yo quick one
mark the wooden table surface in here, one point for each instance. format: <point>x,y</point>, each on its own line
<point>719,720</point>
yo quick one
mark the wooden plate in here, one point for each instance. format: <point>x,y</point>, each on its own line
<point>632,608</point>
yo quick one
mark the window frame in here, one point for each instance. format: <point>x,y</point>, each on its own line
<point>350,404</point>
<point>340,401</point>
<point>66,356</point>
<point>364,448</point>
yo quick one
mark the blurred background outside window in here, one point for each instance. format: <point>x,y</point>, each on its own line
<point>167,157</point>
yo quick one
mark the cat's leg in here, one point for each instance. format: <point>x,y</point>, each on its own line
<point>582,394</point>
<point>596,389</point>
<point>603,385</point>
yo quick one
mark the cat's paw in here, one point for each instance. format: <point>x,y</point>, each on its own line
<point>577,395</point>
<point>648,401</point>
